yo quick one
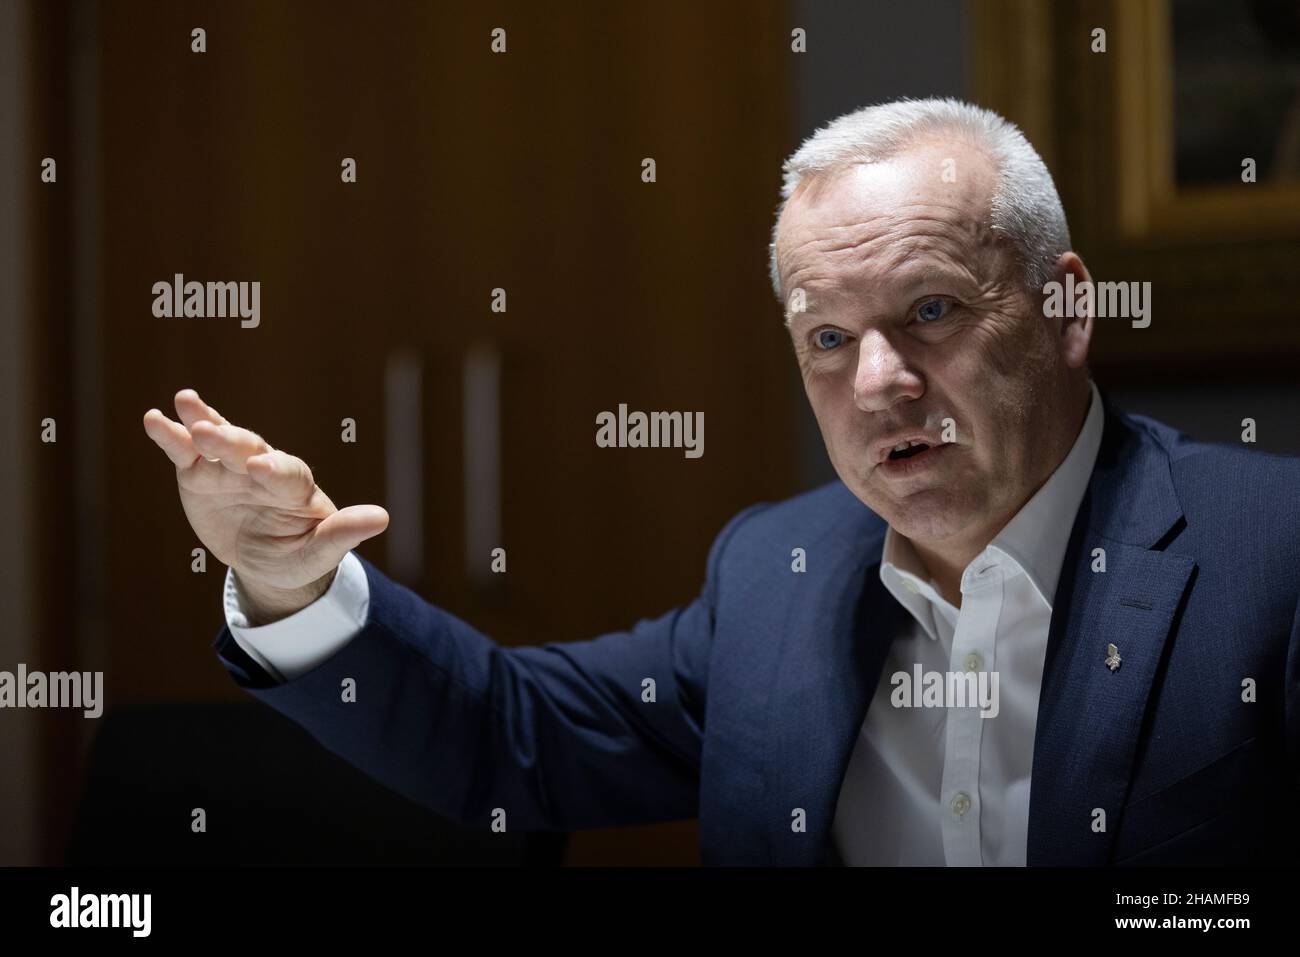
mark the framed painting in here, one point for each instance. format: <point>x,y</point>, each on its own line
<point>1172,128</point>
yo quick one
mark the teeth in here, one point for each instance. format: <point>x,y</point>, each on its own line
<point>902,445</point>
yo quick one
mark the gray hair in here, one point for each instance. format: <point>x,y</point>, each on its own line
<point>1025,206</point>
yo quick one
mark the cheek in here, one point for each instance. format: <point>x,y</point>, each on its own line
<point>838,421</point>
<point>827,390</point>
<point>989,387</point>
<point>819,397</point>
<point>999,350</point>
<point>832,419</point>
<point>1011,359</point>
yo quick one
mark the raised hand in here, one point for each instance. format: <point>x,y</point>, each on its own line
<point>257,508</point>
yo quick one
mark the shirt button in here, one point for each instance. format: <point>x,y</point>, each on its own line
<point>974,661</point>
<point>960,803</point>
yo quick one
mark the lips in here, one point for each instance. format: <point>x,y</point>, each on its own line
<point>914,460</point>
<point>884,449</point>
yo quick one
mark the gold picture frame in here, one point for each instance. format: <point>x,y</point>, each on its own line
<point>1222,258</point>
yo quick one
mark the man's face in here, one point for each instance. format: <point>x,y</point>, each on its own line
<point>915,313</point>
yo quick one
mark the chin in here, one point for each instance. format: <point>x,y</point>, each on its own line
<point>931,515</point>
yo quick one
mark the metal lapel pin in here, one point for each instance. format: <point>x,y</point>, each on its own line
<point>1112,657</point>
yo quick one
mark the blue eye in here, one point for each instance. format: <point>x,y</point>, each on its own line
<point>828,338</point>
<point>932,309</point>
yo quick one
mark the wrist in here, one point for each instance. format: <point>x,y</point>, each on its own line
<point>266,604</point>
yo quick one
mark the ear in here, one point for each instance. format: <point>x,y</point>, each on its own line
<point>1075,325</point>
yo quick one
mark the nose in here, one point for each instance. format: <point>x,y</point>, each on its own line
<point>883,376</point>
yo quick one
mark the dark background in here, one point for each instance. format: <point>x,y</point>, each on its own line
<point>475,171</point>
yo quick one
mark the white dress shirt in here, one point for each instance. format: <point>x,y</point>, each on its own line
<point>944,786</point>
<point>295,645</point>
<point>924,786</point>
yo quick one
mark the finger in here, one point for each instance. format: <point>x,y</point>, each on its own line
<point>283,475</point>
<point>193,409</point>
<point>343,531</point>
<point>172,437</point>
<point>229,443</point>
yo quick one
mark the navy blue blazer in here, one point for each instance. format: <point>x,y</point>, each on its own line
<point>762,683</point>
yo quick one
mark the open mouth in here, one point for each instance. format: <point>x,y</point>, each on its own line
<point>905,450</point>
<point>908,452</point>
<point>912,458</point>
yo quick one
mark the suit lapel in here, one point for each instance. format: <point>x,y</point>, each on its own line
<point>833,645</point>
<point>1089,715</point>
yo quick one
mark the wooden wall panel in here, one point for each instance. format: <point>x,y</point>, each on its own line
<point>475,171</point>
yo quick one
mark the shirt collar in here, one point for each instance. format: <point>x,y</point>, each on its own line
<point>1035,539</point>
<point>904,574</point>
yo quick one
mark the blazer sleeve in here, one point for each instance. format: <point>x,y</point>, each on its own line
<point>556,736</point>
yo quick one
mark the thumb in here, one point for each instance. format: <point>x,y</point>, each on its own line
<point>347,528</point>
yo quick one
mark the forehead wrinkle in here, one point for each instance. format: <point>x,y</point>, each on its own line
<point>866,255</point>
<point>943,264</point>
<point>932,226</point>
<point>913,226</point>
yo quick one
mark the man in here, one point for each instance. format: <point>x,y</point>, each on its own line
<point>1133,593</point>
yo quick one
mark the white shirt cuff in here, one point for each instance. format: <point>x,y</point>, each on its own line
<point>295,645</point>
